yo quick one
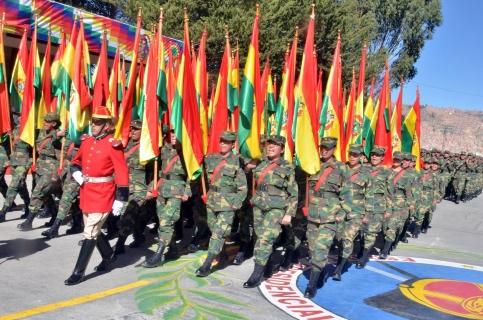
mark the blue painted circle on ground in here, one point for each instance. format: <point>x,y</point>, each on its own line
<point>373,292</point>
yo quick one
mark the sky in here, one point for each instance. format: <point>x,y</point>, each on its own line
<point>450,68</point>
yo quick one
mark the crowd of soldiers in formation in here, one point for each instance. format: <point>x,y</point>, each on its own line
<point>269,207</point>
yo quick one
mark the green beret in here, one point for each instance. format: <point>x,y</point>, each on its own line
<point>276,139</point>
<point>397,155</point>
<point>228,136</point>
<point>378,150</point>
<point>328,142</point>
<point>51,117</point>
<point>355,148</point>
<point>136,124</point>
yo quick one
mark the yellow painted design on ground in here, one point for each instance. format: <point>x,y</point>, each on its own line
<point>417,292</point>
<point>74,301</point>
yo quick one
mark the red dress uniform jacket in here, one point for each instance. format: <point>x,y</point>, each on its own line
<point>101,158</point>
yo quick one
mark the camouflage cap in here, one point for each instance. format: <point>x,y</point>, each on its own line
<point>378,150</point>
<point>397,155</point>
<point>276,139</point>
<point>328,142</point>
<point>136,124</point>
<point>52,117</point>
<point>228,136</point>
<point>407,156</point>
<point>433,160</point>
<point>463,153</point>
<point>356,149</point>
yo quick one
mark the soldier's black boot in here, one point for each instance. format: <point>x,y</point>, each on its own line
<point>85,254</point>
<point>3,213</point>
<point>157,258</point>
<point>361,263</point>
<point>27,224</point>
<point>311,289</point>
<point>106,252</point>
<point>337,276</point>
<point>287,262</point>
<point>458,199</point>
<point>119,247</point>
<point>26,212</point>
<point>76,224</point>
<point>256,277</point>
<point>385,250</point>
<point>139,239</point>
<point>53,231</point>
<point>417,231</point>
<point>205,268</point>
<point>240,255</point>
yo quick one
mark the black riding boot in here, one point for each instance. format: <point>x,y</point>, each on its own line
<point>205,268</point>
<point>361,263</point>
<point>240,256</point>
<point>53,231</point>
<point>119,247</point>
<point>417,231</point>
<point>27,224</point>
<point>256,277</point>
<point>287,262</point>
<point>106,252</point>
<point>157,258</point>
<point>311,290</point>
<point>385,251</point>
<point>337,276</point>
<point>82,261</point>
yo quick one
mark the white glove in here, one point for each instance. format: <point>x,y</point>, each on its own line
<point>117,207</point>
<point>77,175</point>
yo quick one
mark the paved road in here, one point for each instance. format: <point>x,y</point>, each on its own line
<point>32,272</point>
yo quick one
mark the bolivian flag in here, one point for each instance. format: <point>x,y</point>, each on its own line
<point>19,75</point>
<point>5,124</point>
<point>185,117</point>
<point>411,131</point>
<point>396,122</point>
<point>306,141</point>
<point>201,83</point>
<point>251,101</point>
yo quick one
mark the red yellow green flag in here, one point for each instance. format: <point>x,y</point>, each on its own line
<point>359,107</point>
<point>411,131</point>
<point>234,85</point>
<point>19,75</point>
<point>306,141</point>
<point>123,124</point>
<point>251,101</point>
<point>220,104</point>
<point>100,78</point>
<point>396,122</point>
<point>331,122</point>
<point>31,92</point>
<point>349,135</point>
<point>201,82</point>
<point>368,112</point>
<point>115,86</point>
<point>5,123</point>
<point>185,117</point>
<point>382,136</point>
<point>45,104</point>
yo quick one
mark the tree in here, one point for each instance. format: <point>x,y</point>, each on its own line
<point>395,30</point>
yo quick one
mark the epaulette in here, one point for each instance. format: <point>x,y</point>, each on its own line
<point>84,137</point>
<point>116,144</point>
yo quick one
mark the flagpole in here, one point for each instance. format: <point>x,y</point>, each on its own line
<point>203,185</point>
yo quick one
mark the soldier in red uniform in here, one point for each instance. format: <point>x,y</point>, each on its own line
<point>100,169</point>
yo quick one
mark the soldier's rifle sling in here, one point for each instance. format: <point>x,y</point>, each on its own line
<point>168,167</point>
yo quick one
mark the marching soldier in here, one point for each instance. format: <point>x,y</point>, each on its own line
<point>274,203</point>
<point>227,191</point>
<point>99,166</point>
<point>460,169</point>
<point>4,162</point>
<point>358,182</point>
<point>326,208</point>
<point>140,175</point>
<point>380,194</point>
<point>48,145</point>
<point>20,162</point>
<point>172,189</point>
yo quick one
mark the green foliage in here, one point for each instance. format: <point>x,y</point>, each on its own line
<point>393,29</point>
<point>180,294</point>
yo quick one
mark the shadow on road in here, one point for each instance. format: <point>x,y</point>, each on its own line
<point>19,248</point>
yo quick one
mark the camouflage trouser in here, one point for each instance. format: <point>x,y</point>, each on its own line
<point>245,215</point>
<point>220,225</point>
<point>320,237</point>
<point>17,186</point>
<point>168,210</point>
<point>459,185</point>
<point>395,223</point>
<point>351,229</point>
<point>69,196</point>
<point>374,226</point>
<point>45,187</point>
<point>267,228</point>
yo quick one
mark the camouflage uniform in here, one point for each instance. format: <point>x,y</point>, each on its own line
<point>4,162</point>
<point>460,168</point>
<point>46,176</point>
<point>20,162</point>
<point>227,191</point>
<point>275,196</point>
